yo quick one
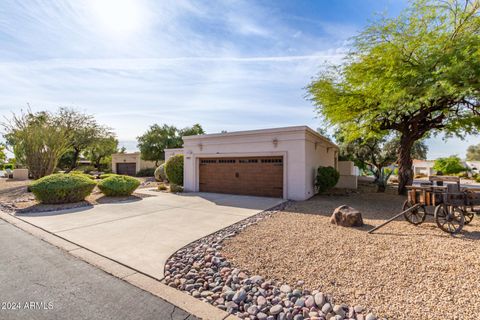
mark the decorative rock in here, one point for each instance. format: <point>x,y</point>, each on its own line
<point>319,299</point>
<point>298,317</point>
<point>276,309</point>
<point>261,301</point>
<point>309,302</point>
<point>261,316</point>
<point>370,316</point>
<point>285,288</point>
<point>300,302</point>
<point>358,309</point>
<point>253,310</point>
<point>339,311</point>
<point>206,293</point>
<point>239,296</point>
<point>327,307</point>
<point>346,216</point>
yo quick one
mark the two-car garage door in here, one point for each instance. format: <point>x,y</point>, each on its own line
<point>256,176</point>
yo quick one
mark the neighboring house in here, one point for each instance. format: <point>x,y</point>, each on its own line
<point>171,152</point>
<point>279,162</point>
<point>473,166</point>
<point>424,167</point>
<point>129,163</point>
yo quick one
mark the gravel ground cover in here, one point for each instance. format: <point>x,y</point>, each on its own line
<point>400,272</point>
<point>202,271</point>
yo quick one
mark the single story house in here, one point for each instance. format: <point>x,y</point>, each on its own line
<point>473,166</point>
<point>279,162</point>
<point>129,163</point>
<point>423,167</point>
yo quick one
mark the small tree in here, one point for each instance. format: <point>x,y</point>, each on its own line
<point>449,165</point>
<point>152,144</point>
<point>38,140</point>
<point>414,74</point>
<point>85,132</point>
<point>3,156</point>
<point>473,153</point>
<point>101,151</point>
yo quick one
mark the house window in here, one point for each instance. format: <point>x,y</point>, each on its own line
<point>272,160</point>
<point>226,161</point>
<point>248,161</point>
<point>205,161</point>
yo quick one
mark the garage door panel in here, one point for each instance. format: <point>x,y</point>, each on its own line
<point>260,176</point>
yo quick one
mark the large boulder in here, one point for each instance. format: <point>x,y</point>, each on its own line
<point>346,216</point>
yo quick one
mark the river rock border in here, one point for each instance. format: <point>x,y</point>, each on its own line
<point>200,270</point>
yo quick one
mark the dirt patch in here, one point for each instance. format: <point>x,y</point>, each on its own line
<point>401,272</point>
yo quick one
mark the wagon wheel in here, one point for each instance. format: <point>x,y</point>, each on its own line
<point>416,216</point>
<point>450,219</point>
<point>468,216</point>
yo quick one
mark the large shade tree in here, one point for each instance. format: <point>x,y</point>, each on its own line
<point>473,153</point>
<point>416,74</point>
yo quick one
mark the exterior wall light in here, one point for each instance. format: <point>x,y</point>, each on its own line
<point>275,142</point>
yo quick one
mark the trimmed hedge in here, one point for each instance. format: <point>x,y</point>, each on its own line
<point>82,174</point>
<point>327,178</point>
<point>62,188</point>
<point>117,186</point>
<point>107,175</point>
<point>174,169</point>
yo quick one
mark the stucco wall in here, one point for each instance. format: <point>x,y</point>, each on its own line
<point>133,157</point>
<point>291,144</point>
<point>318,154</point>
<point>348,175</point>
<point>171,152</point>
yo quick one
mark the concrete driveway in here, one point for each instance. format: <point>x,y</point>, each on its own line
<point>143,234</point>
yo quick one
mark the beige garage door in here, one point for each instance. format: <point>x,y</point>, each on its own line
<point>259,176</point>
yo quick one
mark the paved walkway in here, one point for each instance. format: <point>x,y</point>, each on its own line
<point>64,287</point>
<point>143,234</point>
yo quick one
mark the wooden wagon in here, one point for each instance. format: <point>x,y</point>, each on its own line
<point>453,206</point>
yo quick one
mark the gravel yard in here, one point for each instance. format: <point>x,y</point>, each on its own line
<point>400,272</point>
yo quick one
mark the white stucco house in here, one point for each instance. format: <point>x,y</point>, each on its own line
<point>279,162</point>
<point>424,167</point>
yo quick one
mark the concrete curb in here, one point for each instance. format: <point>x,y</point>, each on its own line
<point>154,286</point>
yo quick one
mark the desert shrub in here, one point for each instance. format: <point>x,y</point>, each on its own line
<point>160,173</point>
<point>62,188</point>
<point>477,178</point>
<point>107,175</point>
<point>81,173</point>
<point>162,186</point>
<point>118,185</point>
<point>148,172</point>
<point>327,178</point>
<point>174,169</point>
<point>175,188</point>
<point>8,166</point>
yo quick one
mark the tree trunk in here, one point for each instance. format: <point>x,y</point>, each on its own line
<point>405,174</point>
<point>73,165</point>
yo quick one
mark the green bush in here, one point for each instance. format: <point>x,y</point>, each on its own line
<point>160,173</point>
<point>327,178</point>
<point>107,175</point>
<point>449,165</point>
<point>162,186</point>
<point>149,172</point>
<point>117,186</point>
<point>8,166</point>
<point>62,188</point>
<point>174,169</point>
<point>175,188</point>
<point>477,178</point>
<point>82,174</point>
<point>86,168</point>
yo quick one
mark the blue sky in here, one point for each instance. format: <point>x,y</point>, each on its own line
<point>228,65</point>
